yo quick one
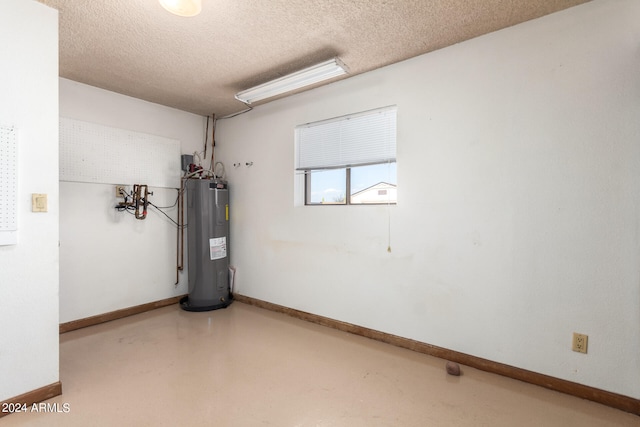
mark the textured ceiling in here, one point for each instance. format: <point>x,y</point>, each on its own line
<point>197,64</point>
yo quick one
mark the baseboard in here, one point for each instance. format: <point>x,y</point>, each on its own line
<point>613,400</point>
<point>118,314</point>
<point>34,396</point>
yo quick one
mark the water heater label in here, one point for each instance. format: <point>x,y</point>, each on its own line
<point>218,248</point>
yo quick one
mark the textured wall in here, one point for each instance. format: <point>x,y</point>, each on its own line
<point>29,270</point>
<point>518,200</point>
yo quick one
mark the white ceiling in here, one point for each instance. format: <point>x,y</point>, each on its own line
<point>197,64</point>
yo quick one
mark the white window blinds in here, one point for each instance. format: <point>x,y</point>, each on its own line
<point>353,140</point>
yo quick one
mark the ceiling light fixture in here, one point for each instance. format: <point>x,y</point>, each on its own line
<point>317,73</point>
<point>182,7</point>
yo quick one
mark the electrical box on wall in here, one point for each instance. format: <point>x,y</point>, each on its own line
<point>186,160</point>
<point>8,186</point>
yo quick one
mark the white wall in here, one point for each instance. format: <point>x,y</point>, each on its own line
<point>29,270</point>
<point>108,259</point>
<point>519,200</point>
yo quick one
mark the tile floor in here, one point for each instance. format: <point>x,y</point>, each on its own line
<point>246,366</point>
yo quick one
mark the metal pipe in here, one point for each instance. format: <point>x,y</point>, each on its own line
<point>180,235</point>
<point>213,140</point>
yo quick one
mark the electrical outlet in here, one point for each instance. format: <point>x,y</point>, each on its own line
<point>120,191</point>
<point>580,342</point>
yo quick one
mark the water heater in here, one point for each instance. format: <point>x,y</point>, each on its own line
<point>207,245</point>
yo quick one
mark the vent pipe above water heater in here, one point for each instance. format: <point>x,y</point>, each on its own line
<point>207,245</point>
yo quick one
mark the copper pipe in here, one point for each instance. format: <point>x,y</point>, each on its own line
<point>141,200</point>
<point>206,134</point>
<point>213,140</point>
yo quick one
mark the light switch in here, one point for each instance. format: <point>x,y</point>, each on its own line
<point>38,202</point>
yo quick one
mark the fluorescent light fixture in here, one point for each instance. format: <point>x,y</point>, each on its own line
<point>308,76</point>
<point>182,7</point>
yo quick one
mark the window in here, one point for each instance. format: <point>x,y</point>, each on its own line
<point>349,160</point>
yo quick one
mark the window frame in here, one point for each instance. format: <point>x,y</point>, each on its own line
<point>308,171</point>
<point>347,197</point>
